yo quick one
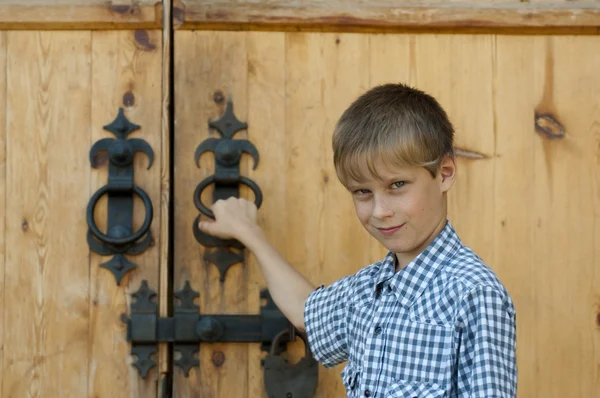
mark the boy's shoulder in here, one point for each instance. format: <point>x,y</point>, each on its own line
<point>469,272</point>
<point>468,269</point>
<point>467,282</point>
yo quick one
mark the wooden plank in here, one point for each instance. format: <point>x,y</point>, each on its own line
<point>565,84</point>
<point>514,197</point>
<point>278,14</point>
<point>324,74</point>
<point>126,73</point>
<point>544,233</point>
<point>47,277</point>
<point>211,67</point>
<point>80,14</point>
<point>595,131</point>
<point>266,124</point>
<point>2,194</point>
<point>165,293</point>
<point>461,80</point>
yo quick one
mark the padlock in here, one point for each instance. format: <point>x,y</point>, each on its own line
<point>285,380</point>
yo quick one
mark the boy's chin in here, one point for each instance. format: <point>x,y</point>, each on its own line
<point>396,247</point>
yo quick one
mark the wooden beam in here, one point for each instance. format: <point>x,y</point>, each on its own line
<point>383,14</point>
<point>80,14</point>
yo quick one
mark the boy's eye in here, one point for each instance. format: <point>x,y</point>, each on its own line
<point>361,191</point>
<point>398,184</point>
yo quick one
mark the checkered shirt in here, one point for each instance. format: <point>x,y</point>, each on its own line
<point>443,326</point>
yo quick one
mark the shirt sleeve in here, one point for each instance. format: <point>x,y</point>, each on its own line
<point>487,365</point>
<point>325,321</point>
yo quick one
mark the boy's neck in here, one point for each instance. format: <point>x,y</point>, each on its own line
<point>403,259</point>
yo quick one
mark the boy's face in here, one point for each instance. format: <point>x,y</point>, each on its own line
<point>406,208</point>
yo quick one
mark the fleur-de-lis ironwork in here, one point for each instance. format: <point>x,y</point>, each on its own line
<point>120,238</point>
<point>226,182</point>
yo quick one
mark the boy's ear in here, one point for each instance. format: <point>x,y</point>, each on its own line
<point>447,172</point>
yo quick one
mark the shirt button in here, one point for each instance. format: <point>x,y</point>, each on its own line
<point>367,393</point>
<point>378,329</point>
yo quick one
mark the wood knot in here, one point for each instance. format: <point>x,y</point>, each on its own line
<point>548,127</point>
<point>143,39</point>
<point>25,225</point>
<point>218,97</point>
<point>218,358</point>
<point>178,14</point>
<point>119,9</point>
<point>125,9</point>
<point>128,99</point>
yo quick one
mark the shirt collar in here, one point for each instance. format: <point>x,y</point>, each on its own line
<point>409,282</point>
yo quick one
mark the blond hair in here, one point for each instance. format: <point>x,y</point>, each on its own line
<point>395,123</point>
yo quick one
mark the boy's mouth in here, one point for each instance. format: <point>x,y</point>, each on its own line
<point>390,231</point>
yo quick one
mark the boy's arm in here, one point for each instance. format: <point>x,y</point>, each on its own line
<point>487,365</point>
<point>236,219</point>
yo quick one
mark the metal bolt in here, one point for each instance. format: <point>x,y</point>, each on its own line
<point>209,329</point>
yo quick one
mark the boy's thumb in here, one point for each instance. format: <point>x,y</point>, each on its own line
<point>206,226</point>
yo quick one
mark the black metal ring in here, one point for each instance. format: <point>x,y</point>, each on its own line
<point>209,180</point>
<point>128,239</point>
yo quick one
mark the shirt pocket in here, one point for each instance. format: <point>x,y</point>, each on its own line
<point>350,375</point>
<point>407,389</point>
<point>420,352</point>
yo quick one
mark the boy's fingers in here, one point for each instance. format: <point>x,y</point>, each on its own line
<point>212,228</point>
<point>206,226</point>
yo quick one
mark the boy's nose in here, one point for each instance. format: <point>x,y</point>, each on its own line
<point>381,210</point>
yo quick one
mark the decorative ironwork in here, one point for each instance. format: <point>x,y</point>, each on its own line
<point>120,238</point>
<point>187,328</point>
<point>226,180</point>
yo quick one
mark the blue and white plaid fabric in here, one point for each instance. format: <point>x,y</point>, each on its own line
<point>444,326</point>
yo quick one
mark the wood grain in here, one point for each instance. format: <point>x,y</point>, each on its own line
<point>544,240</point>
<point>266,119</point>
<point>565,84</point>
<point>47,275</point>
<point>207,63</point>
<point>595,135</point>
<point>2,195</point>
<point>164,248</point>
<point>522,201</point>
<point>462,72</point>
<point>80,14</point>
<point>513,221</point>
<point>201,14</point>
<point>126,73</point>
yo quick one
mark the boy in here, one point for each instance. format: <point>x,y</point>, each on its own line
<point>430,319</point>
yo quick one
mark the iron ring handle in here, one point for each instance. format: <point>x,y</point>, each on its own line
<point>209,180</point>
<point>128,239</point>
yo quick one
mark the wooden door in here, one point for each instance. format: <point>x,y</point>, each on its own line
<point>520,82</point>
<point>66,67</point>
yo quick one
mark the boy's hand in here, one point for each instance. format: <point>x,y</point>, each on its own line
<point>234,218</point>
